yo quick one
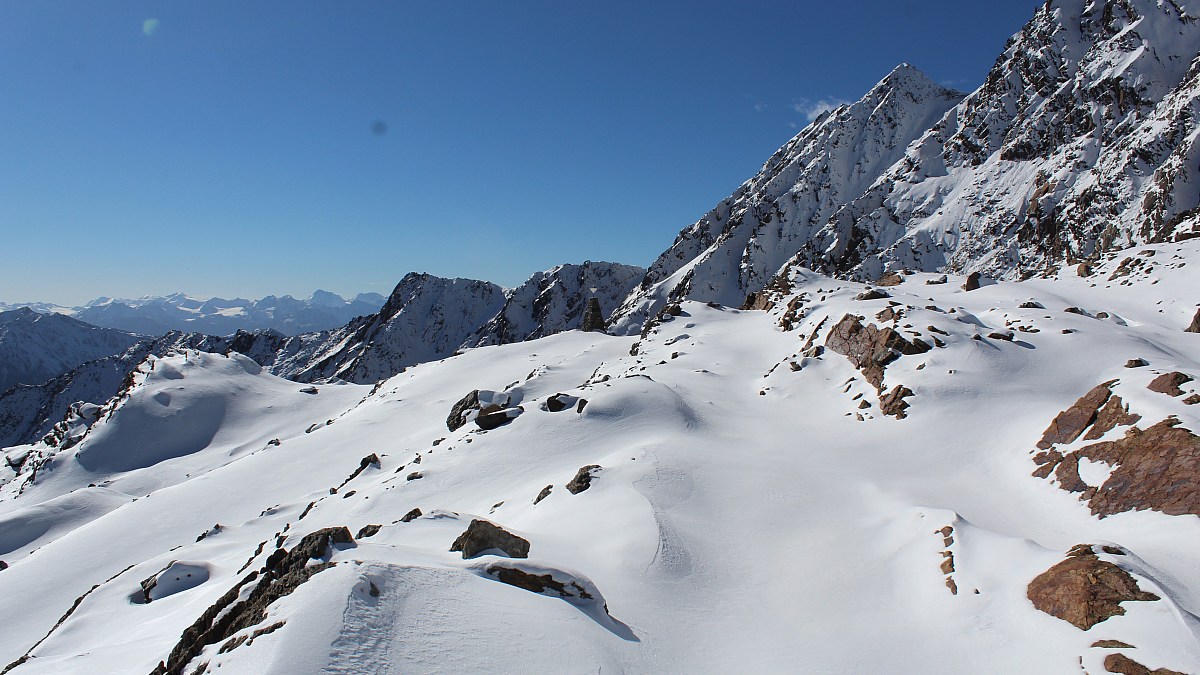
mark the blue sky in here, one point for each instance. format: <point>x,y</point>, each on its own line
<point>253,148</point>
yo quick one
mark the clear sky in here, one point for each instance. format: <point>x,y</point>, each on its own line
<point>241,148</point>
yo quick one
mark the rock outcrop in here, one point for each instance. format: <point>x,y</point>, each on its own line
<point>869,347</point>
<point>481,536</point>
<point>1084,590</point>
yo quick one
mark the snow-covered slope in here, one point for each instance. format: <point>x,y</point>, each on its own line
<point>35,347</point>
<point>28,411</point>
<point>218,316</point>
<point>739,245</point>
<point>735,495</point>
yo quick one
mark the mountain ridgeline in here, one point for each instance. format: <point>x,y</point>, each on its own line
<point>1082,140</point>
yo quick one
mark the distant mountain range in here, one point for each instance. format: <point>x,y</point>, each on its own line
<point>217,316</point>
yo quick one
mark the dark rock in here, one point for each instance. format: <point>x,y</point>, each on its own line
<point>1136,363</point>
<point>493,416</point>
<point>3,565</point>
<point>416,475</point>
<point>368,531</point>
<point>890,279</point>
<point>1069,424</point>
<point>1084,270</point>
<point>872,294</point>
<point>893,403</point>
<point>593,317</point>
<point>537,583</point>
<point>1119,663</point>
<point>411,516</point>
<point>464,405</point>
<point>1195,325</point>
<point>482,536</point>
<point>1007,337</point>
<point>557,403</point>
<point>972,281</point>
<point>1168,383</point>
<point>1084,590</point>
<point>582,479</point>
<point>1030,304</point>
<point>1192,400</point>
<point>938,281</point>
<point>1075,310</point>
<point>543,494</point>
<point>870,348</point>
<point>284,572</point>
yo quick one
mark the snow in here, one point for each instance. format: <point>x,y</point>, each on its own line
<point>727,530</point>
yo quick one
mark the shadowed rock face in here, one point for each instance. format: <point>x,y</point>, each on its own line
<point>869,347</point>
<point>482,536</point>
<point>582,479</point>
<point>1084,590</point>
<point>1195,325</point>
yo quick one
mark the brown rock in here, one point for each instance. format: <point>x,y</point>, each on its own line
<point>1195,325</point>
<point>1119,663</point>
<point>972,281</point>
<point>890,279</point>
<point>1114,414</point>
<point>952,586</point>
<point>1070,423</point>
<point>1192,400</point>
<point>1112,644</point>
<point>411,516</point>
<point>1136,363</point>
<point>368,531</point>
<point>538,583</point>
<point>1084,590</point>
<point>1168,383</point>
<point>893,403</point>
<point>1084,270</point>
<point>870,348</point>
<point>467,403</point>
<point>482,536</point>
<point>582,479</point>
<point>543,494</point>
<point>1155,469</point>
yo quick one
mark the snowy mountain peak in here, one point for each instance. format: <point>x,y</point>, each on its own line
<point>739,245</point>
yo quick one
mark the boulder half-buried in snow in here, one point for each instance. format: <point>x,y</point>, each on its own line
<point>482,536</point>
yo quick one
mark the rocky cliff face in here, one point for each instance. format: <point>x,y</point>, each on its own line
<point>1083,139</point>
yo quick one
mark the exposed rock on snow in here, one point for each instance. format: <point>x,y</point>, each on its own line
<point>1070,423</point>
<point>869,347</point>
<point>283,572</point>
<point>1119,663</point>
<point>482,536</point>
<point>1168,383</point>
<point>582,479</point>
<point>1084,590</point>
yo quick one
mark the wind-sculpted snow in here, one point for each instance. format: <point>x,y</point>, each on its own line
<point>740,475</point>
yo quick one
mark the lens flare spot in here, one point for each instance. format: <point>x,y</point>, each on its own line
<point>150,27</point>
